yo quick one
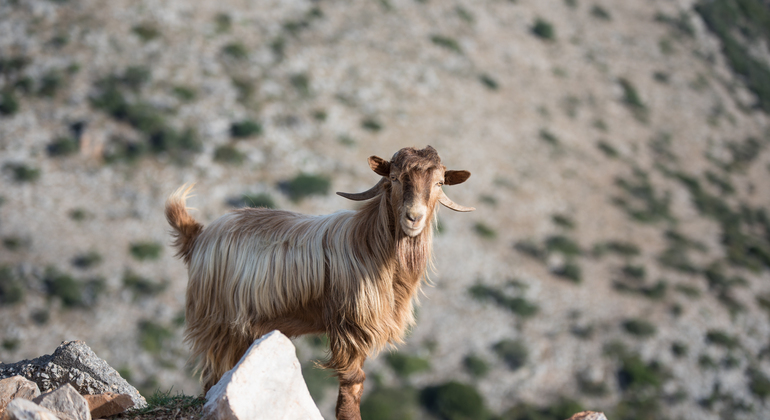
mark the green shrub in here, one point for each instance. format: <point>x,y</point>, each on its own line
<point>391,404</point>
<point>600,13</point>
<point>13,243</point>
<point>570,270</point>
<point>722,339</point>
<point>11,287</point>
<point>591,388</point>
<point>687,290</point>
<point>153,336</point>
<point>475,365</point>
<point>563,221</point>
<point>607,149</point>
<point>185,93</point>
<point>146,32</point>
<point>563,245</point>
<point>446,42</point>
<point>9,104</point>
<point>223,22</point>
<point>633,101</point>
<point>489,82</point>
<point>72,292</point>
<point>549,137</point>
<point>87,260</point>
<point>63,146</point>
<point>41,316</point>
<point>518,305</point>
<point>145,250</point>
<point>679,349</point>
<point>405,365</point>
<point>513,352</point>
<point>229,154</point>
<point>759,384</point>
<point>635,272</point>
<point>119,149</point>
<point>142,286</point>
<point>50,84</point>
<point>135,77</point>
<point>530,248</point>
<point>636,375</point>
<point>371,124</point>
<point>245,128</point>
<point>643,203</point>
<point>22,173</point>
<point>484,231</point>
<point>625,249</point>
<point>454,401</point>
<point>235,50</point>
<point>78,214</point>
<point>706,362</point>
<point>543,30</point>
<point>306,185</point>
<point>301,83</point>
<point>639,328</point>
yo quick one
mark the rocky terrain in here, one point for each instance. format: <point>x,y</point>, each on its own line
<point>618,260</point>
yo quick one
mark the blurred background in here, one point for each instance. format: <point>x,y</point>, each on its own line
<point>619,256</point>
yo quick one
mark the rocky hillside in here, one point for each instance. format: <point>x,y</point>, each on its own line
<point>619,258</point>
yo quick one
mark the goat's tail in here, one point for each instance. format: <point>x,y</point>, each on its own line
<point>186,229</point>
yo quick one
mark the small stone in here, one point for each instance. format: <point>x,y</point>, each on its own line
<point>66,403</point>
<point>588,415</point>
<point>21,409</point>
<point>108,404</point>
<point>16,387</point>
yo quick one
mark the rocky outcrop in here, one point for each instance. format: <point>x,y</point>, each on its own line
<point>266,383</point>
<point>76,364</point>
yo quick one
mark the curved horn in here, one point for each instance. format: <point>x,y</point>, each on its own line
<point>370,193</point>
<point>443,199</point>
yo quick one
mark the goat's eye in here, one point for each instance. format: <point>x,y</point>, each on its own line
<point>440,183</point>
<point>394,178</point>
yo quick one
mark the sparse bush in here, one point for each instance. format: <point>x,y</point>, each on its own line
<point>644,204</point>
<point>549,137</point>
<point>591,388</point>
<point>475,365</point>
<point>632,100</point>
<point>530,248</point>
<point>398,403</point>
<point>235,50</point>
<point>41,316</point>
<point>22,173</point>
<point>484,231</point>
<point>563,245</point>
<point>135,77</point>
<point>489,82</point>
<point>11,344</point>
<point>625,249</point>
<point>13,243</point>
<point>639,327</point>
<point>146,31</point>
<point>306,185</point>
<point>72,292</point>
<point>9,104</point>
<point>405,365</point>
<point>706,362</point>
<point>759,384</point>
<point>78,214</point>
<point>50,84</point>
<point>607,149</point>
<point>454,401</point>
<point>679,349</point>
<point>371,124</point>
<point>142,286</point>
<point>563,221</point>
<point>229,154</point>
<point>518,305</point>
<point>11,287</point>
<point>245,128</point>
<point>63,146</point>
<point>722,339</point>
<point>570,270</point>
<point>223,22</point>
<point>635,272</point>
<point>145,250</point>
<point>185,93</point>
<point>687,290</point>
<point>543,30</point>
<point>636,375</point>
<point>513,352</point>
<point>301,83</point>
<point>87,260</point>
<point>153,336</point>
<point>446,42</point>
<point>600,13</point>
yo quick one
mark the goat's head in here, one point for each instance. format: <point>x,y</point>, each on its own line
<point>413,179</point>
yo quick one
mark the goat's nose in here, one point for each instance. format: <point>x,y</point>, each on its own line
<point>414,217</point>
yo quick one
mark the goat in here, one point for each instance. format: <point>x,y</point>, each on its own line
<point>352,274</point>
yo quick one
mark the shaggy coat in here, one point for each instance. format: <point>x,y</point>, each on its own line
<point>352,274</point>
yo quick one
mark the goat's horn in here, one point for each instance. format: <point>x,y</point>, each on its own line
<point>370,193</point>
<point>443,199</point>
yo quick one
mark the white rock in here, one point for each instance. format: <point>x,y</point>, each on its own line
<point>21,409</point>
<point>66,403</point>
<point>266,383</point>
<point>16,387</point>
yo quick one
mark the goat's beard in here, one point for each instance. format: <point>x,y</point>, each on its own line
<point>413,251</point>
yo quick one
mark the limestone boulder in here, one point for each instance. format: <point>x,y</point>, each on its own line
<point>74,363</point>
<point>65,402</point>
<point>266,383</point>
<point>22,409</point>
<point>16,387</point>
<point>108,404</point>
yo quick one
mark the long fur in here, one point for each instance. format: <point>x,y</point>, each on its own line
<point>352,274</point>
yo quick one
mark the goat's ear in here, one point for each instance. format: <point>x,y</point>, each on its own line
<point>379,165</point>
<point>456,177</point>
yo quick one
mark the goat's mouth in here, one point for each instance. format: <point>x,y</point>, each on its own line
<point>410,228</point>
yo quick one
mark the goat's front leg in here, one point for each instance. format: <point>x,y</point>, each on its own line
<point>349,398</point>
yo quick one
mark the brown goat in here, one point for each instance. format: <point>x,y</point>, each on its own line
<point>351,274</point>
